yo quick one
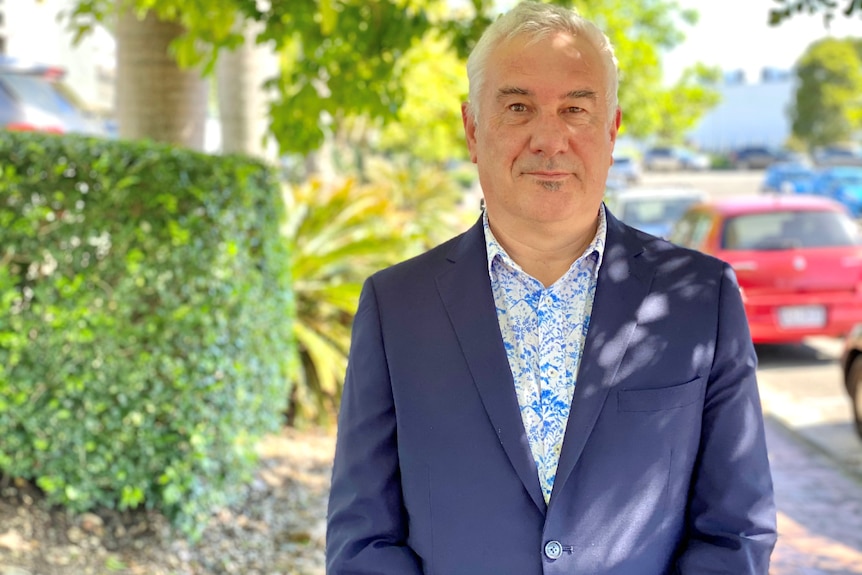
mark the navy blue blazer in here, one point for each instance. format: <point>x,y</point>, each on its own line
<point>663,467</point>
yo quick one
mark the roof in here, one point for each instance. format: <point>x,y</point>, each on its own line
<point>733,205</point>
<point>658,192</point>
<point>28,67</point>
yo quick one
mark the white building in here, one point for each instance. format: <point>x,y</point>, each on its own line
<point>33,31</point>
<point>749,114</point>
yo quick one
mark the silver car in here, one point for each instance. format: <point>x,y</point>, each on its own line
<point>34,98</point>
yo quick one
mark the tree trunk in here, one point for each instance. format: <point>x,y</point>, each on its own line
<point>155,98</point>
<point>242,100</point>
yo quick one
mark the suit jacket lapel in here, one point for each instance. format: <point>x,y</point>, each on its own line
<point>466,293</point>
<point>624,281</point>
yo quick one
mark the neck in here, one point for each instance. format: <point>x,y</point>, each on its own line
<point>546,252</point>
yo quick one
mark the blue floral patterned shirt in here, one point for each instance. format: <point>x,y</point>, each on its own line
<point>544,331</point>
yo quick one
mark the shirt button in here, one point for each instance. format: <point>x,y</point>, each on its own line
<point>553,549</point>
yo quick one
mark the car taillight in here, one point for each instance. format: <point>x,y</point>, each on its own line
<point>26,127</point>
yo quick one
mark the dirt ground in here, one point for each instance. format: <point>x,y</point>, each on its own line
<point>277,529</point>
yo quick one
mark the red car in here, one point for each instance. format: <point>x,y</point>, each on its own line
<point>798,260</point>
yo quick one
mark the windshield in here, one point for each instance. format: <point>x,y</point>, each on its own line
<point>788,230</point>
<point>647,211</point>
<point>37,92</point>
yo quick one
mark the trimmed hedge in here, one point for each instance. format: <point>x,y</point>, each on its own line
<point>145,322</point>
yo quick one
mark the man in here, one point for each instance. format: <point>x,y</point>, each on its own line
<point>552,391</point>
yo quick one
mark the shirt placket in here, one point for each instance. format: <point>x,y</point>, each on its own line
<point>551,375</point>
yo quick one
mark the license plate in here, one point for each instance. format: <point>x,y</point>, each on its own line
<point>802,316</point>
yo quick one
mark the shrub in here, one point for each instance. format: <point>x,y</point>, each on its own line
<point>145,321</point>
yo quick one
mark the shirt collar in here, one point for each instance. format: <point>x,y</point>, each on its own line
<point>495,250</point>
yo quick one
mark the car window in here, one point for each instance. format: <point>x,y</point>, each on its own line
<point>8,107</point>
<point>789,229</point>
<point>692,230</point>
<point>654,211</point>
<point>849,179</point>
<point>662,152</point>
<point>37,92</point>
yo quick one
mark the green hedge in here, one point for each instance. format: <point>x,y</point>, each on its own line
<point>145,319</point>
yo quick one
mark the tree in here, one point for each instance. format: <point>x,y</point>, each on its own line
<point>680,107</point>
<point>828,103</point>
<point>827,8</point>
<point>340,58</point>
<point>242,101</point>
<point>640,32</point>
<point>156,98</point>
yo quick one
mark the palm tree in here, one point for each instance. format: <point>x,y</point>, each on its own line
<point>156,99</point>
<point>242,99</point>
<point>337,236</point>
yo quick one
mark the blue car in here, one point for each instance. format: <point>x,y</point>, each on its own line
<point>788,178</point>
<point>843,184</point>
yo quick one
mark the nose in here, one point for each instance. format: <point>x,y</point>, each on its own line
<point>550,135</point>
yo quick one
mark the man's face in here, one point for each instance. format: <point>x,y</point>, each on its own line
<point>544,138</point>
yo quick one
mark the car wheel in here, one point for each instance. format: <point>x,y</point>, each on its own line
<point>854,379</point>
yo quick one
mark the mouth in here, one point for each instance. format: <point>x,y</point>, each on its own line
<point>548,175</point>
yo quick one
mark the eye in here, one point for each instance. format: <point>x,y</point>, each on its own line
<point>573,110</point>
<point>517,107</point>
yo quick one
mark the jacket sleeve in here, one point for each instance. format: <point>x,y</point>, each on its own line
<point>366,521</point>
<point>731,516</point>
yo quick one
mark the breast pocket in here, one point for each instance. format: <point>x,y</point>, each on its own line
<point>659,399</point>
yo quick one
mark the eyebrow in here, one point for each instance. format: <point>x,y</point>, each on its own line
<point>573,95</point>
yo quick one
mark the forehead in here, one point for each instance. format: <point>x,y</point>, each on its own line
<point>559,59</point>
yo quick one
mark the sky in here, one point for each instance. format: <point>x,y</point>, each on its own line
<point>735,34</point>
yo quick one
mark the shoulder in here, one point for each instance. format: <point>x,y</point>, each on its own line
<point>665,256</point>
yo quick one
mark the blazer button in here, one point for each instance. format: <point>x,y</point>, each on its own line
<point>553,549</point>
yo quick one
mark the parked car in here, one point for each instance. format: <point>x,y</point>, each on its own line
<point>625,169</point>
<point>34,98</point>
<point>798,260</point>
<point>694,161</point>
<point>671,158</point>
<point>788,178</point>
<point>793,157</point>
<point>661,158</point>
<point>851,367</point>
<point>653,209</point>
<point>753,158</point>
<point>843,184</point>
<point>838,155</point>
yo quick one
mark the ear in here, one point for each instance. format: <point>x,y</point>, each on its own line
<point>615,125</point>
<point>469,129</point>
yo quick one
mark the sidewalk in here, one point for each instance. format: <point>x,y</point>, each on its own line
<point>823,420</point>
<point>816,461</point>
<point>819,510</point>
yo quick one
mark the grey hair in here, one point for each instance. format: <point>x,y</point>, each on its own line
<point>537,20</point>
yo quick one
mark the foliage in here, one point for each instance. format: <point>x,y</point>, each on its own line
<point>789,8</point>
<point>436,202</point>
<point>345,59</point>
<point>828,103</point>
<point>338,235</point>
<point>210,25</point>
<point>428,124</point>
<point>640,32</point>
<point>145,316</point>
<point>679,109</point>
